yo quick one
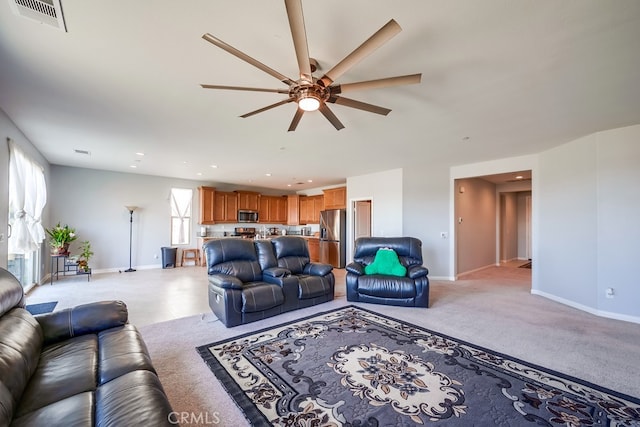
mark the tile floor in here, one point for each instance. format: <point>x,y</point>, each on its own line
<point>151,296</point>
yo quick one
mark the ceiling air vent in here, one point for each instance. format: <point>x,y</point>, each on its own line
<point>47,12</point>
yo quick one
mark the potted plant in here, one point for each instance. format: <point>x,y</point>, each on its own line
<point>85,256</point>
<point>61,237</point>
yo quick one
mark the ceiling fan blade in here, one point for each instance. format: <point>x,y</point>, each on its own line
<point>359,105</point>
<point>379,83</point>
<point>268,107</point>
<point>296,120</point>
<point>253,89</point>
<point>235,52</point>
<point>330,116</point>
<point>380,37</point>
<point>299,35</point>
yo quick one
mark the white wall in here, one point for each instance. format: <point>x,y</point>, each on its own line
<point>426,213</point>
<point>93,202</point>
<point>384,189</point>
<point>9,130</point>
<point>588,230</point>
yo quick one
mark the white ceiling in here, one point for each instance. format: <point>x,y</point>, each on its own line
<point>499,79</point>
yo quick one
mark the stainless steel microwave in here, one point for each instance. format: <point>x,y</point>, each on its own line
<point>247,216</point>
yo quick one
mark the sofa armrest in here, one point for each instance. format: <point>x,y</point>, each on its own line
<point>355,268</point>
<point>225,281</point>
<point>82,319</point>
<point>417,271</point>
<point>317,269</point>
<point>276,272</point>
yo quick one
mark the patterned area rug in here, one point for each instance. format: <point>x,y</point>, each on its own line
<point>353,367</point>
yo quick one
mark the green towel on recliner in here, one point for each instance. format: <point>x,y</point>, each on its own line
<point>386,262</point>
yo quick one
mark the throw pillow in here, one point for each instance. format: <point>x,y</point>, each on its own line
<point>386,262</point>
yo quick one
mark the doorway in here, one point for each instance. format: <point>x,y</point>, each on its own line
<point>492,220</point>
<point>361,219</point>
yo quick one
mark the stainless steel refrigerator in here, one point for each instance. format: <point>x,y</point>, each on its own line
<point>333,227</point>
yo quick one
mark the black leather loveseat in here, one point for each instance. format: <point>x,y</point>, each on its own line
<point>252,280</point>
<point>410,289</point>
<point>84,366</point>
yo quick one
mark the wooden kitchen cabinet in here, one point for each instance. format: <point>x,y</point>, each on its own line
<point>314,249</point>
<point>207,203</point>
<point>293,209</point>
<point>225,207</point>
<point>335,198</point>
<point>248,200</point>
<point>272,209</point>
<point>310,207</point>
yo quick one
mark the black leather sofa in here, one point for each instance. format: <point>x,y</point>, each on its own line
<point>252,280</point>
<point>411,290</point>
<point>84,366</point>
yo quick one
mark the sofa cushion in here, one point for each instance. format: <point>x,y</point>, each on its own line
<point>244,270</point>
<point>20,345</point>
<point>387,286</point>
<point>76,410</point>
<point>312,287</point>
<point>66,368</point>
<point>121,350</point>
<point>138,397</point>
<point>260,296</point>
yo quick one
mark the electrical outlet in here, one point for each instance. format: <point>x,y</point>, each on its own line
<point>1,237</point>
<point>444,234</point>
<point>609,293</point>
<point>155,256</point>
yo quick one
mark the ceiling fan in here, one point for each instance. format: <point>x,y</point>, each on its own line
<point>309,92</point>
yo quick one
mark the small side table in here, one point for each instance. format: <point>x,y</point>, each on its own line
<point>66,267</point>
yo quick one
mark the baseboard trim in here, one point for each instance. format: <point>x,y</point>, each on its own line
<point>590,310</point>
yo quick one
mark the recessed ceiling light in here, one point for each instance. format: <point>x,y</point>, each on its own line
<point>288,185</point>
<point>267,174</point>
<point>214,166</point>
<point>519,177</point>
<point>199,173</point>
<point>133,166</point>
<point>139,154</point>
<point>309,180</point>
<point>184,162</point>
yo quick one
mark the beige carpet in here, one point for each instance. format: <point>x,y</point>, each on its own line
<point>492,308</point>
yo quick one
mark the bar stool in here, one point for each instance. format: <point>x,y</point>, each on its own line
<point>191,255</point>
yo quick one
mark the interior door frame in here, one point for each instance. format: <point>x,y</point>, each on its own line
<point>351,223</point>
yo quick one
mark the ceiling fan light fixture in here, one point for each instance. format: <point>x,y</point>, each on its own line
<point>309,102</point>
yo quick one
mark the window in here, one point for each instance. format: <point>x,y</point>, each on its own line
<point>27,198</point>
<point>181,216</point>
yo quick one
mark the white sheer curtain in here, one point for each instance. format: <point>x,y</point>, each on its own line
<point>27,198</point>
<point>181,215</point>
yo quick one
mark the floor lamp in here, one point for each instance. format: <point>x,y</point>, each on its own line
<point>130,209</point>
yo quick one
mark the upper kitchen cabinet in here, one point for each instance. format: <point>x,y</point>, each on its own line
<point>335,198</point>
<point>310,207</point>
<point>273,209</point>
<point>225,207</point>
<point>293,209</point>
<point>248,200</point>
<point>207,202</point>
